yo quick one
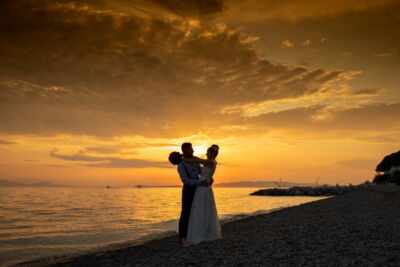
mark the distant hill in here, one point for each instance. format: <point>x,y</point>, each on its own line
<point>40,184</point>
<point>263,184</point>
<point>9,183</point>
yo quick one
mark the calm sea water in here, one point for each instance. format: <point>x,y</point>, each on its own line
<point>42,222</point>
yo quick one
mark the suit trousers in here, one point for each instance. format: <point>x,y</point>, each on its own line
<point>187,200</point>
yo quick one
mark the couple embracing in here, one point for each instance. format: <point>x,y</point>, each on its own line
<point>199,218</point>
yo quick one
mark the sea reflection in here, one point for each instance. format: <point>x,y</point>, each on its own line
<point>41,222</point>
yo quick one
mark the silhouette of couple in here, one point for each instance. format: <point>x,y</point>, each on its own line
<point>199,218</point>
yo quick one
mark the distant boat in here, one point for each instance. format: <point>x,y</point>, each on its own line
<point>139,186</point>
<point>108,186</point>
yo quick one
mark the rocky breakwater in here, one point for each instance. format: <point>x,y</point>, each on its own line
<point>311,191</point>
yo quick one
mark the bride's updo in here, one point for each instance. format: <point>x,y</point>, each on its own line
<point>214,149</point>
<point>175,158</point>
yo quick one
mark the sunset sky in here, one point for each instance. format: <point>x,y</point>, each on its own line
<point>97,92</point>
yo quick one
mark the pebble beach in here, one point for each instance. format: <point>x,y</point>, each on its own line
<point>359,228</point>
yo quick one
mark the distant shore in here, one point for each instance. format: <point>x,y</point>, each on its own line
<point>359,228</point>
<point>259,184</point>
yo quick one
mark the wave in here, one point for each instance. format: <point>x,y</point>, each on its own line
<point>15,227</point>
<point>79,209</point>
<point>43,212</point>
<point>226,218</point>
<point>44,261</point>
<point>128,221</point>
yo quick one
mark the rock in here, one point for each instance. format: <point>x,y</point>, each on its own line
<point>311,191</point>
<point>389,161</point>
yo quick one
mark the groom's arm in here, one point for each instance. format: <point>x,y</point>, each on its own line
<point>185,178</point>
<point>205,162</point>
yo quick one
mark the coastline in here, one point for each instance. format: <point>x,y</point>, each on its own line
<point>357,228</point>
<point>60,259</point>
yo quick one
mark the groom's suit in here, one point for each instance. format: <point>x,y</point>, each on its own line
<point>189,173</point>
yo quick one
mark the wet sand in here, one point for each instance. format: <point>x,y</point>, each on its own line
<point>354,229</point>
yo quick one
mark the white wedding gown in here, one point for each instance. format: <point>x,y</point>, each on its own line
<point>203,221</point>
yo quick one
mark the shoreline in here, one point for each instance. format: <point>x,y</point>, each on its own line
<point>59,259</point>
<point>356,228</point>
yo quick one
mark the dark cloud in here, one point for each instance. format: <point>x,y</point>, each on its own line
<point>119,148</point>
<point>198,9</point>
<point>112,149</point>
<point>193,7</point>
<point>75,69</point>
<point>3,142</point>
<point>367,92</point>
<point>128,163</point>
<point>391,49</point>
<point>103,149</point>
<point>58,166</point>
<point>320,119</point>
<point>294,10</point>
<point>374,117</point>
<point>291,118</point>
<point>107,162</point>
<point>80,156</point>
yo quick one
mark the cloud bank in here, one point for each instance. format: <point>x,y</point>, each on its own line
<point>89,70</point>
<point>295,10</point>
<point>107,162</point>
<point>4,142</point>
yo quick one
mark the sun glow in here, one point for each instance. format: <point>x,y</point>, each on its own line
<point>200,150</point>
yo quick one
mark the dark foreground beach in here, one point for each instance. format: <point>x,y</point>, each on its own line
<point>360,228</point>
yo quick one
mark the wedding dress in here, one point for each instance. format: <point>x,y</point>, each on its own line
<point>203,221</point>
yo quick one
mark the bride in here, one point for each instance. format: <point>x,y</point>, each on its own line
<point>203,221</point>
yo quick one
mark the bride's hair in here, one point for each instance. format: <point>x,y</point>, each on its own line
<point>214,149</point>
<point>175,158</point>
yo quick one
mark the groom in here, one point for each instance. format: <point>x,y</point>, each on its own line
<point>189,173</point>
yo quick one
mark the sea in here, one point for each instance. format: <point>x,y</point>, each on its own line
<point>41,222</point>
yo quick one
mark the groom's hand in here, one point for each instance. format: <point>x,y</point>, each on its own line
<point>205,183</point>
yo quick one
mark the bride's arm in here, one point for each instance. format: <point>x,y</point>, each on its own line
<point>205,162</point>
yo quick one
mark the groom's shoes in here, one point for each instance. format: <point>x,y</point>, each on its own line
<point>183,243</point>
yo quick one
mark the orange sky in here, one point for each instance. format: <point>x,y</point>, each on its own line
<point>99,92</point>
